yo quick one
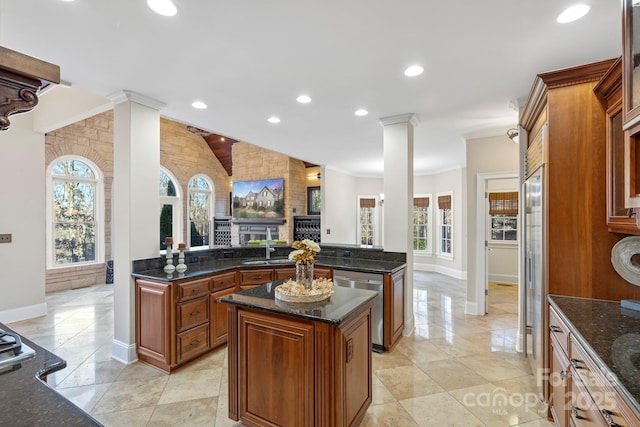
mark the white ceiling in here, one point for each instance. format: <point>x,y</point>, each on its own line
<point>250,59</point>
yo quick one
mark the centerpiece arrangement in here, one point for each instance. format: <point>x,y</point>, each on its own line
<point>305,288</point>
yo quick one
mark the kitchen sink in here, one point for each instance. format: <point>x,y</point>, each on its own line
<point>267,261</point>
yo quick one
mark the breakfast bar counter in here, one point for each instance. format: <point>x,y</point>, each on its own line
<point>299,364</point>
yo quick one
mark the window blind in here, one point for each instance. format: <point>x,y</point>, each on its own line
<point>421,202</point>
<point>503,203</point>
<point>367,203</point>
<point>444,202</point>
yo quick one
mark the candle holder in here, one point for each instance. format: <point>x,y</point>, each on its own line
<point>169,268</point>
<point>181,267</point>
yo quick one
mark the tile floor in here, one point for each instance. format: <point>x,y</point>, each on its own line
<point>456,370</point>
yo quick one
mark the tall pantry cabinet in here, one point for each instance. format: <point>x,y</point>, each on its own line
<point>574,150</point>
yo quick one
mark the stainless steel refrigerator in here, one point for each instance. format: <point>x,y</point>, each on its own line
<point>534,300</point>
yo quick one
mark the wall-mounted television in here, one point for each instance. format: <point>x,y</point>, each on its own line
<point>258,199</point>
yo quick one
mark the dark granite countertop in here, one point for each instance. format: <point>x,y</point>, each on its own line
<point>342,303</point>
<point>215,266</point>
<point>612,337</point>
<point>26,400</point>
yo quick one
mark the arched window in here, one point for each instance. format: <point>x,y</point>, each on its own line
<point>75,223</point>
<point>200,207</point>
<point>170,209</point>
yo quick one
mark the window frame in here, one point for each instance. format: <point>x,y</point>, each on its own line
<point>374,238</point>
<point>490,229</point>
<point>211,193</point>
<point>176,202</point>
<point>440,253</point>
<point>428,251</point>
<point>99,216</point>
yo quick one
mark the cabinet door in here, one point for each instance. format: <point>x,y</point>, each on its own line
<point>356,365</point>
<point>153,316</point>
<point>284,366</point>
<point>630,65</point>
<point>285,273</point>
<point>322,272</point>
<point>219,327</point>
<point>393,308</point>
<point>256,277</point>
<point>559,385</point>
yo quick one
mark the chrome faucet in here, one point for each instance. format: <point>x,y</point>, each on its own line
<point>268,249</point>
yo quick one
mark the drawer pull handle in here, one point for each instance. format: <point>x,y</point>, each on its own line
<point>194,343</point>
<point>608,416</point>
<point>194,313</point>
<point>574,412</point>
<point>554,328</point>
<point>563,375</point>
<point>576,363</point>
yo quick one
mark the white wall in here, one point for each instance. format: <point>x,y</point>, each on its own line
<point>484,155</point>
<point>338,212</point>
<point>448,181</point>
<point>22,191</point>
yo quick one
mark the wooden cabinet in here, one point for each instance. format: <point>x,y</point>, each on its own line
<point>630,63</point>
<point>153,322</point>
<point>290,371</point>
<point>322,272</point>
<point>620,218</point>
<point>393,308</point>
<point>219,327</point>
<point>581,392</point>
<point>254,277</point>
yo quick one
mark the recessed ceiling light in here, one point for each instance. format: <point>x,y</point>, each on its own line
<point>414,70</point>
<point>361,112</point>
<point>303,99</point>
<point>273,119</point>
<point>163,7</point>
<point>573,13</point>
<point>199,105</point>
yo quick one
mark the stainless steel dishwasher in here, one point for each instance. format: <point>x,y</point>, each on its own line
<point>373,282</point>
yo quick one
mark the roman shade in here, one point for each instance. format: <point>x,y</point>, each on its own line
<point>444,202</point>
<point>367,203</point>
<point>503,203</point>
<point>421,202</point>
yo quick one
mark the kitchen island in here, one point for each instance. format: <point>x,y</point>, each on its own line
<point>299,364</point>
<point>26,399</point>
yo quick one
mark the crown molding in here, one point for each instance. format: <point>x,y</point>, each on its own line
<point>138,98</point>
<point>400,118</point>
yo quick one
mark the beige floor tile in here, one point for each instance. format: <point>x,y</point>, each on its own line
<point>440,410</point>
<point>125,395</point>
<point>388,360</point>
<point>191,385</point>
<point>85,397</point>
<point>407,381</point>
<point>196,412</point>
<point>451,374</point>
<point>388,415</point>
<point>491,366</point>
<point>380,393</point>
<point>93,373</point>
<point>131,418</point>
<point>495,406</point>
<point>420,352</point>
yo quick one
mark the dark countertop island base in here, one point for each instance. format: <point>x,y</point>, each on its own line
<point>25,398</point>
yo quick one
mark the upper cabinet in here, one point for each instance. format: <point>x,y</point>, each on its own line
<point>620,219</point>
<point>631,62</point>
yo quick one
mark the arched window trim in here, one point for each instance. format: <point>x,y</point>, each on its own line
<point>211,192</point>
<point>99,212</point>
<point>176,202</point>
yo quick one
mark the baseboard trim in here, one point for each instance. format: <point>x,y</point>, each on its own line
<point>125,353</point>
<point>409,326</point>
<point>452,272</point>
<point>472,308</point>
<point>23,313</point>
<point>507,279</point>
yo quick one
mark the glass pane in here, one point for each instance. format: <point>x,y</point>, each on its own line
<point>199,233</point>
<point>199,183</point>
<point>72,167</point>
<point>166,224</point>
<point>73,201</point>
<point>511,235</point>
<point>167,187</point>
<point>496,235</point>
<point>510,223</point>
<point>198,206</point>
<point>74,242</point>
<point>496,222</point>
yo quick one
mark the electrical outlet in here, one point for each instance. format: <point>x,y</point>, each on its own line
<point>328,231</point>
<point>5,238</point>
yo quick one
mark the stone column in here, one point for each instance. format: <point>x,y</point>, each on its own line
<point>398,199</point>
<point>135,206</point>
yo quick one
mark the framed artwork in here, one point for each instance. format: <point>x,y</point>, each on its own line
<point>313,200</point>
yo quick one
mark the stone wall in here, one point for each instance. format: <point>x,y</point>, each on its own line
<point>92,139</point>
<point>251,162</point>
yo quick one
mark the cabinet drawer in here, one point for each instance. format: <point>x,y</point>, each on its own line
<point>193,342</point>
<point>224,281</point>
<point>285,273</point>
<point>192,313</point>
<point>558,329</point>
<point>193,289</point>
<point>322,272</point>
<point>583,412</point>
<point>601,391</point>
<point>256,277</point>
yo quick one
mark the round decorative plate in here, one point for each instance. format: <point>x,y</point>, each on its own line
<point>291,291</point>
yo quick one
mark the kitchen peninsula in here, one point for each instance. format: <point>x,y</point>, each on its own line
<point>299,364</point>
<point>180,317</point>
